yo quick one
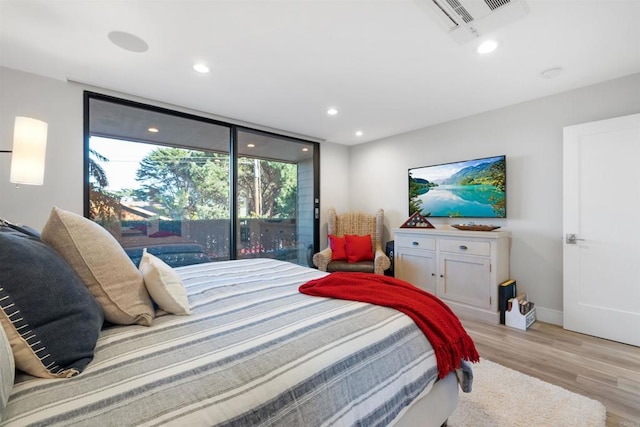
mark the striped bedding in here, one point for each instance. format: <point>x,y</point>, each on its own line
<point>255,352</point>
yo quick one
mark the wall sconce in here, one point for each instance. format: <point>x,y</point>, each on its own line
<point>29,149</point>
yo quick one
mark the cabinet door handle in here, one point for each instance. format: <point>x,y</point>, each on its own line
<point>462,247</point>
<point>433,274</point>
<point>415,243</point>
<point>441,275</point>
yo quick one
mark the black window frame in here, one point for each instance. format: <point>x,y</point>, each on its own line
<point>233,159</point>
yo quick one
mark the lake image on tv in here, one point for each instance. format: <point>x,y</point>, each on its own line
<point>474,188</point>
<point>459,200</point>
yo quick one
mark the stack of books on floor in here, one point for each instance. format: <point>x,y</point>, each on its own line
<point>516,310</point>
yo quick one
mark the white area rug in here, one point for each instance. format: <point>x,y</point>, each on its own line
<point>504,397</point>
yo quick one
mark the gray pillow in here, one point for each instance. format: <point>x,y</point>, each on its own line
<point>46,311</point>
<point>7,371</point>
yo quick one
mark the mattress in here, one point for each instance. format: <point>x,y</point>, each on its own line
<point>254,352</point>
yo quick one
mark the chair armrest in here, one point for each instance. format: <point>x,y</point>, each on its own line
<point>322,259</point>
<point>381,262</point>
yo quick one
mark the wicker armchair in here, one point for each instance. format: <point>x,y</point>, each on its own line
<point>357,223</point>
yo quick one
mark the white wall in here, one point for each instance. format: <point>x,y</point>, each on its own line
<point>60,105</point>
<point>530,134</point>
<point>334,183</point>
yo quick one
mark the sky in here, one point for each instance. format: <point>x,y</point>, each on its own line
<point>122,155</point>
<point>440,172</point>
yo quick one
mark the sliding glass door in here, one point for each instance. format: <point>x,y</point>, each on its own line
<point>192,190</point>
<point>275,197</point>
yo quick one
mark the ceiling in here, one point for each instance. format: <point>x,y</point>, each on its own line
<point>130,123</point>
<point>388,66</point>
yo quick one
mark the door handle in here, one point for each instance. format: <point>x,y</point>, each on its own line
<point>571,239</point>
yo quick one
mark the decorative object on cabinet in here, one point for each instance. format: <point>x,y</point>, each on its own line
<point>463,268</point>
<point>417,221</point>
<point>475,227</point>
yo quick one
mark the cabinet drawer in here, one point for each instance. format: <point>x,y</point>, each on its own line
<point>466,247</point>
<point>415,241</point>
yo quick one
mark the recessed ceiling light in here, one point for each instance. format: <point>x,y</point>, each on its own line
<point>487,46</point>
<point>153,130</point>
<point>128,41</point>
<point>332,111</point>
<point>305,149</point>
<point>359,133</point>
<point>551,73</point>
<point>201,68</point>
<point>251,145</point>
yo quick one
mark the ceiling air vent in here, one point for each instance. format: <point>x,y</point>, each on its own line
<point>468,19</point>
<point>460,10</point>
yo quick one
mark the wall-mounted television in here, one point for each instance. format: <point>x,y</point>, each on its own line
<point>466,189</point>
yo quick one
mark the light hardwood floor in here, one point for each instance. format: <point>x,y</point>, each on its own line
<point>600,369</point>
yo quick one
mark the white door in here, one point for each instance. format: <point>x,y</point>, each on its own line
<point>601,209</point>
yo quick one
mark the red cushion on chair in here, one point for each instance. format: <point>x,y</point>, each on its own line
<point>359,248</point>
<point>338,248</point>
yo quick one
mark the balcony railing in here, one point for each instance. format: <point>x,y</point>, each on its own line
<point>195,241</point>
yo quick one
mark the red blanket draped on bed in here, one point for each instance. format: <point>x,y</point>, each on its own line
<point>442,328</point>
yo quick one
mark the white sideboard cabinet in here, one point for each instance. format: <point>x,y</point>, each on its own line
<point>463,268</point>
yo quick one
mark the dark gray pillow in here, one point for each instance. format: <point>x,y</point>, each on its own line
<point>29,231</point>
<point>46,311</point>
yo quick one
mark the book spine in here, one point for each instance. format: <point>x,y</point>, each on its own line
<point>506,291</point>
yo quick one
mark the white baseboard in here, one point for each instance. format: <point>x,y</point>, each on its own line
<point>549,315</point>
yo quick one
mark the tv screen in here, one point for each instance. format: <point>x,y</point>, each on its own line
<point>467,189</point>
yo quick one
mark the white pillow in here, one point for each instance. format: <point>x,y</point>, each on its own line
<point>164,285</point>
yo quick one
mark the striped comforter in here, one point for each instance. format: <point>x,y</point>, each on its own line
<point>254,352</point>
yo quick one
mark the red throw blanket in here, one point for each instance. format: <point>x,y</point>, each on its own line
<point>442,328</point>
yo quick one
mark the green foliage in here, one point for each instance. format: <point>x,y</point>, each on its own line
<point>104,206</point>
<point>286,198</point>
<point>416,188</point>
<point>212,184</point>
<point>415,204</point>
<point>468,181</point>
<point>194,185</point>
<point>498,175</point>
<point>186,184</point>
<point>97,175</point>
<point>269,187</point>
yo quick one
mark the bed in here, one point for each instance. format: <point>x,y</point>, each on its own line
<point>254,351</point>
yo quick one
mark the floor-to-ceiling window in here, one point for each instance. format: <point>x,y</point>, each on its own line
<point>275,196</point>
<point>191,189</point>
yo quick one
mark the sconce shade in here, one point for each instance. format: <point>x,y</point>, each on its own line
<point>29,148</point>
